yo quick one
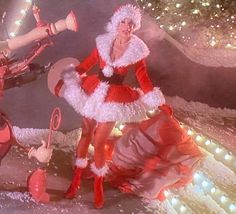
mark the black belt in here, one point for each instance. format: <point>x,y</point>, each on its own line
<point>116,79</point>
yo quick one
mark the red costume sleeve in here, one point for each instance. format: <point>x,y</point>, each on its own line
<point>88,62</point>
<point>142,76</point>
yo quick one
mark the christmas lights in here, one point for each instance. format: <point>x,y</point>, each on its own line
<point>215,18</point>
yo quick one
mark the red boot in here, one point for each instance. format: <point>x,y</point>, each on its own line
<point>75,184</point>
<point>98,192</point>
<point>99,174</point>
<point>80,164</point>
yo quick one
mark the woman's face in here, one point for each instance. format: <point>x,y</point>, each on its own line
<point>125,27</point>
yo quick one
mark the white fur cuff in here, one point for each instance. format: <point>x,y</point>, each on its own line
<point>81,162</point>
<point>101,172</point>
<point>153,98</point>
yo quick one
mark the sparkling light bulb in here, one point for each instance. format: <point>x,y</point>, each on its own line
<point>213,190</point>
<point>190,132</point>
<point>166,193</point>
<point>174,201</point>
<point>18,22</point>
<point>223,199</point>
<point>12,34</point>
<point>218,150</point>
<point>178,5</point>
<point>232,208</point>
<point>204,183</point>
<point>198,138</point>
<point>227,157</point>
<point>183,208</point>
<point>195,11</point>
<point>23,12</point>
<point>196,176</point>
<point>121,126</point>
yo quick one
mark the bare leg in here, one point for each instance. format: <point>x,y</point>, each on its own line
<point>81,153</point>
<point>87,134</point>
<point>103,131</point>
<point>99,168</point>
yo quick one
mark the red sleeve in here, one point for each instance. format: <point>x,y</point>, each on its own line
<point>142,76</point>
<point>88,62</point>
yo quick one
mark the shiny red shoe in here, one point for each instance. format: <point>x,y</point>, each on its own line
<point>98,192</point>
<point>75,184</point>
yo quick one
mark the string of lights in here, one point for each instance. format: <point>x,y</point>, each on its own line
<point>200,180</point>
<point>219,152</point>
<point>199,23</point>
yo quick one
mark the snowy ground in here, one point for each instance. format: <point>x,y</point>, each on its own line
<point>217,124</point>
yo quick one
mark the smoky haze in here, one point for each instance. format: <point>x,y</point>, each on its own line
<point>176,75</point>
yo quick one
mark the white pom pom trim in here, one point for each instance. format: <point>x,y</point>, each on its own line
<point>81,162</point>
<point>101,172</point>
<point>107,71</point>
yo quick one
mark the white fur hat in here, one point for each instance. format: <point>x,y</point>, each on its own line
<point>125,11</point>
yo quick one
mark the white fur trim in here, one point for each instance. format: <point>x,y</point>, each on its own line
<point>81,162</point>
<point>74,95</point>
<point>107,71</point>
<point>71,78</point>
<point>101,172</point>
<point>70,75</point>
<point>94,107</point>
<point>126,11</point>
<point>136,50</point>
<point>153,98</point>
<point>93,104</point>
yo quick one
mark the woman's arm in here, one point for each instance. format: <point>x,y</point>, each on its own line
<point>82,68</point>
<point>142,76</point>
<point>88,62</point>
<point>152,96</point>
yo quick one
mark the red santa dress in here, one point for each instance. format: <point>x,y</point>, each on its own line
<point>154,156</point>
<point>103,96</point>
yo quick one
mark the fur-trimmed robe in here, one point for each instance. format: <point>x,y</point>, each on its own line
<point>106,102</point>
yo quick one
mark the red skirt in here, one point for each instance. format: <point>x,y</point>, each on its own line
<point>115,93</point>
<point>105,102</point>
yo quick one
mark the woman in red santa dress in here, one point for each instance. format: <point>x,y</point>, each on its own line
<point>103,98</point>
<point>153,156</point>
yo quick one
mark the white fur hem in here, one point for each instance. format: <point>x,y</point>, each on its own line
<point>81,162</point>
<point>94,107</point>
<point>153,99</point>
<point>101,172</point>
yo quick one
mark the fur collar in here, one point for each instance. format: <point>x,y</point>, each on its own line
<point>136,50</point>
